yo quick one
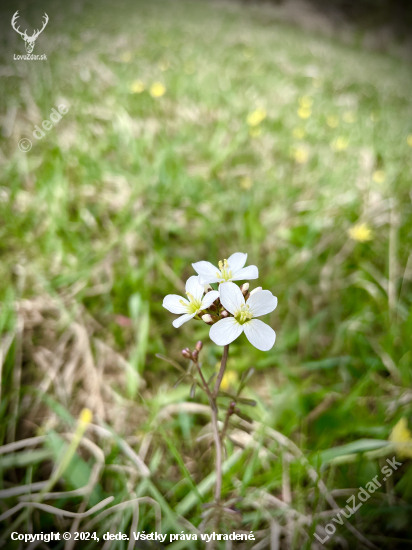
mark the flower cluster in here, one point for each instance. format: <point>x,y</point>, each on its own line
<point>231,309</point>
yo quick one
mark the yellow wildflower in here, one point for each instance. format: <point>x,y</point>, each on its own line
<point>86,416</point>
<point>402,435</point>
<point>229,379</point>
<point>409,140</point>
<point>299,133</point>
<point>378,176</point>
<point>349,117</point>
<point>246,183</point>
<point>306,102</point>
<point>255,132</point>
<point>304,112</point>
<point>137,87</point>
<point>256,117</point>
<point>360,232</point>
<point>301,155</point>
<point>126,56</point>
<point>332,121</point>
<point>157,89</point>
<point>340,144</point>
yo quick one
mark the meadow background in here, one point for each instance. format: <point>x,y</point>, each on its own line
<point>195,130</point>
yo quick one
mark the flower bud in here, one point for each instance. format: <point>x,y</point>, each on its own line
<point>199,345</point>
<point>186,353</point>
<point>224,314</point>
<point>207,288</point>
<point>195,355</point>
<point>244,288</point>
<point>210,319</point>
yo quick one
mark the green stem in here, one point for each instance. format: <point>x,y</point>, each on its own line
<point>215,425</point>
<point>221,371</point>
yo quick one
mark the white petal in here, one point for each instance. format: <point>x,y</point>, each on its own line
<point>183,319</point>
<point>259,334</point>
<point>249,272</point>
<point>231,297</point>
<point>225,331</point>
<point>237,261</point>
<point>207,272</point>
<point>172,303</point>
<point>261,302</point>
<point>194,288</point>
<point>257,289</point>
<point>209,298</point>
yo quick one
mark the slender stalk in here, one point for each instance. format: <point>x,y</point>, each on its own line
<point>221,371</point>
<point>218,486</point>
<point>229,413</point>
<point>205,386</point>
<point>212,396</point>
<point>215,425</point>
<point>213,405</point>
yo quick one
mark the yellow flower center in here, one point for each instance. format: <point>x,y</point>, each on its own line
<point>255,118</point>
<point>243,315</point>
<point>225,274</point>
<point>194,305</point>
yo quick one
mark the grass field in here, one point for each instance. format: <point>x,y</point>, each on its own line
<point>195,130</point>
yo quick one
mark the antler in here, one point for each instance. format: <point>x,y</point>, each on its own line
<point>46,20</point>
<point>13,21</point>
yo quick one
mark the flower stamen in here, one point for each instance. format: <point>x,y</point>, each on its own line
<point>225,273</point>
<point>193,306</point>
<point>243,315</point>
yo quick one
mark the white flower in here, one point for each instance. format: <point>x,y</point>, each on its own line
<point>196,302</point>
<point>228,270</point>
<point>259,303</point>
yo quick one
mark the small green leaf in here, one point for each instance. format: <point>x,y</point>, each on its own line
<point>244,378</point>
<point>171,362</point>
<point>244,416</point>
<point>179,380</point>
<point>226,394</point>
<point>360,446</point>
<point>250,402</point>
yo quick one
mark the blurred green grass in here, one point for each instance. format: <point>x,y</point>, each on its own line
<point>106,213</point>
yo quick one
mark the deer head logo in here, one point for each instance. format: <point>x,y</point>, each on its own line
<point>29,41</point>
